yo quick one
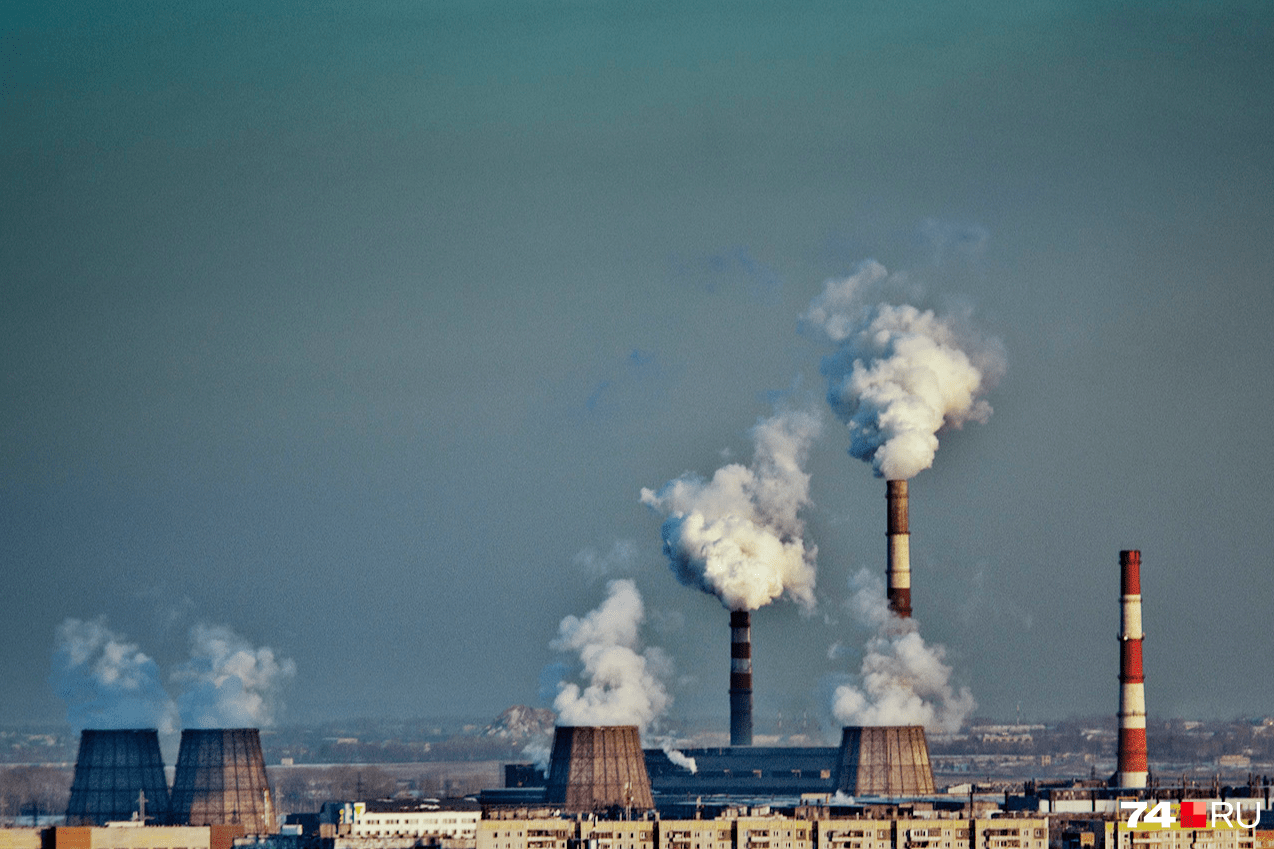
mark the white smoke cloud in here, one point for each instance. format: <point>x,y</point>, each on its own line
<point>625,685</point>
<point>903,680</point>
<point>227,683</point>
<point>738,536</point>
<point>899,374</point>
<point>540,753</point>
<point>108,682</point>
<point>680,758</point>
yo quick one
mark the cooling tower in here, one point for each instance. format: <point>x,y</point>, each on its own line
<point>898,570</point>
<point>112,770</point>
<point>891,760</point>
<point>740,678</point>
<point>221,780</point>
<point>596,768</point>
<point>1132,766</point>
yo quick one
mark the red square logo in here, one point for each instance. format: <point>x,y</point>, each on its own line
<point>1194,814</point>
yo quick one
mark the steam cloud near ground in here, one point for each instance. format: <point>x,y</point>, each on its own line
<point>108,682</point>
<point>738,536</point>
<point>623,683</point>
<point>903,680</point>
<point>899,374</point>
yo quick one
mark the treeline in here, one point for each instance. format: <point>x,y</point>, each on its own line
<point>32,792</point>
<point>1167,740</point>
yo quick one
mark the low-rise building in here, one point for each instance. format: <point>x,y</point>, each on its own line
<point>696,834</point>
<point>617,834</point>
<point>390,824</point>
<point>534,833</point>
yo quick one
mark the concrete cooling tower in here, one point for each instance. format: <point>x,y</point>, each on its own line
<point>888,760</point>
<point>596,768</point>
<point>114,770</point>
<point>221,780</point>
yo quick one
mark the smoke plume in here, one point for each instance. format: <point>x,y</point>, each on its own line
<point>738,536</point>
<point>227,683</point>
<point>679,758</point>
<point>903,680</point>
<point>108,682</point>
<point>899,375</point>
<point>625,685</point>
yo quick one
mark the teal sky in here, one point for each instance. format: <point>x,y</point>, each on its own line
<point>355,327</point>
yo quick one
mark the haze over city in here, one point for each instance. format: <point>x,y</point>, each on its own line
<point>356,351</point>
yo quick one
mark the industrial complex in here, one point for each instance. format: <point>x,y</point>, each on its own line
<point>603,790</point>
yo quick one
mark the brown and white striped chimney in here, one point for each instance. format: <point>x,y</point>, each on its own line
<point>898,574</point>
<point>1132,767</point>
<point>740,678</point>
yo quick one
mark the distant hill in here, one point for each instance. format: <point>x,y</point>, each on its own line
<point>520,722</point>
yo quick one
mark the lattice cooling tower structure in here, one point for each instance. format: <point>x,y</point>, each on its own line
<point>221,780</point>
<point>598,767</point>
<point>890,760</point>
<point>112,770</point>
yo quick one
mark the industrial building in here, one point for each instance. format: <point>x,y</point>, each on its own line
<point>587,774</point>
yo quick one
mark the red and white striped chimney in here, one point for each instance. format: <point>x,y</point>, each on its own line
<point>1132,767</point>
<point>898,571</point>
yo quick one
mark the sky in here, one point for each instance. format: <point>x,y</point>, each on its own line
<point>350,334</point>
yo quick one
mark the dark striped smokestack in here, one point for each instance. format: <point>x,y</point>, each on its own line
<point>898,574</point>
<point>1132,766</point>
<point>740,678</point>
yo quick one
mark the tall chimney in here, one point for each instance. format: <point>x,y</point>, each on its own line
<point>1132,768</point>
<point>898,576</point>
<point>740,678</point>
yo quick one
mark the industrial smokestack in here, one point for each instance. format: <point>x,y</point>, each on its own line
<point>740,678</point>
<point>1132,767</point>
<point>898,574</point>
